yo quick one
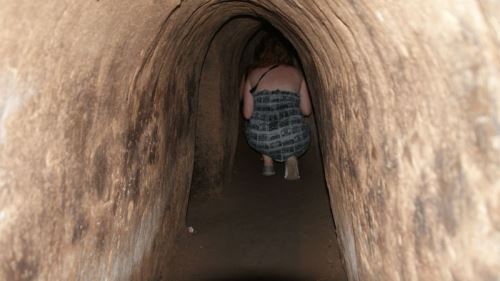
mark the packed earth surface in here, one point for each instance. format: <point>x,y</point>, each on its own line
<point>261,228</point>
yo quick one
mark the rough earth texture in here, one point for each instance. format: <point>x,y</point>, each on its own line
<point>99,102</point>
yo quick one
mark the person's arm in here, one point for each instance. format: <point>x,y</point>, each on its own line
<point>305,101</point>
<point>247,99</point>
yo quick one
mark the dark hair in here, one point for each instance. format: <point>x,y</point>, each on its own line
<point>273,49</point>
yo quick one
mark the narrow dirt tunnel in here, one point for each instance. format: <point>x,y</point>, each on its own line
<point>250,227</point>
<point>99,116</point>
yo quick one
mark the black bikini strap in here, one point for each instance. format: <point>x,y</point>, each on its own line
<point>262,76</point>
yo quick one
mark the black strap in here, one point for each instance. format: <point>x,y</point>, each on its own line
<point>262,76</point>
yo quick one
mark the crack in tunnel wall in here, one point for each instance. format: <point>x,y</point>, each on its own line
<point>99,106</point>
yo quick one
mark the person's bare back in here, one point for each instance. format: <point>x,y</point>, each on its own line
<point>275,101</point>
<point>284,78</point>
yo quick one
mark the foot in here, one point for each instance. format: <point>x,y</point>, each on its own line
<point>292,169</point>
<point>268,170</point>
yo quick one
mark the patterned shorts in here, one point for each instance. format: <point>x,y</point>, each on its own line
<point>277,127</point>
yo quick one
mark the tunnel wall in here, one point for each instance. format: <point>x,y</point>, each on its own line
<point>401,124</point>
<point>218,106</point>
<point>86,186</point>
<point>98,113</point>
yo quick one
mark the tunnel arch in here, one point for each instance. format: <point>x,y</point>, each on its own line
<point>189,43</point>
<point>320,81</point>
<point>331,74</point>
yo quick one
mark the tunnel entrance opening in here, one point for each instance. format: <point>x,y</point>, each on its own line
<point>244,225</point>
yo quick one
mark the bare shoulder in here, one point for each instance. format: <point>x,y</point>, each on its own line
<point>254,73</point>
<point>282,70</point>
<point>292,71</point>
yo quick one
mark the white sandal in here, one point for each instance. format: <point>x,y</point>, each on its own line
<point>268,170</point>
<point>292,169</point>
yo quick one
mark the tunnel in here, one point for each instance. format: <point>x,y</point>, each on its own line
<point>114,112</point>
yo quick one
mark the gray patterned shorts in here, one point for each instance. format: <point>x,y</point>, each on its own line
<point>277,127</point>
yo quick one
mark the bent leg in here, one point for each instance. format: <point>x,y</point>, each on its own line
<point>268,168</point>
<point>268,161</point>
<point>292,168</point>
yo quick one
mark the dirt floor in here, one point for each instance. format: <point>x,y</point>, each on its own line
<point>261,228</point>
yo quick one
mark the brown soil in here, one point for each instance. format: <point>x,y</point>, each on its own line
<point>261,228</point>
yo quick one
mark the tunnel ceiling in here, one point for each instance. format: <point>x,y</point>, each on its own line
<point>100,100</point>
